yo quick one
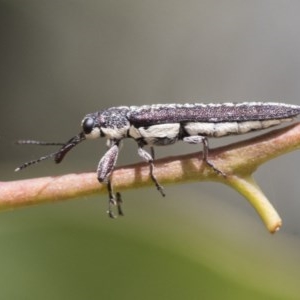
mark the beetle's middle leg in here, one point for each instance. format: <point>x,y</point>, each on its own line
<point>149,159</point>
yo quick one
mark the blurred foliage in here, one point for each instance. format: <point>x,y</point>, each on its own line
<point>74,251</point>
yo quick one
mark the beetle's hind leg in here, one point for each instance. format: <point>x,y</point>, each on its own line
<point>197,139</point>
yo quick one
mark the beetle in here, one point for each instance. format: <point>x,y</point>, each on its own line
<point>165,124</point>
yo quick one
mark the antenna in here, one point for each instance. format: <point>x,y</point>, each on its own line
<point>58,155</point>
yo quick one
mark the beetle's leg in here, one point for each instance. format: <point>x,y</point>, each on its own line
<point>152,152</point>
<point>107,163</point>
<point>114,200</point>
<point>149,159</point>
<point>111,200</point>
<point>197,139</point>
<point>119,204</point>
<point>104,171</point>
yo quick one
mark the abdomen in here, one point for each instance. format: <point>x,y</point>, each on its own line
<point>227,128</point>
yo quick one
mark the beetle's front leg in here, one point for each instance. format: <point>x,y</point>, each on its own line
<point>149,159</point>
<point>114,200</point>
<point>104,171</point>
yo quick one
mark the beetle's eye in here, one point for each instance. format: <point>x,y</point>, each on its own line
<point>88,125</point>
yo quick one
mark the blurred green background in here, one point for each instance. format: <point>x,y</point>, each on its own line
<point>63,59</point>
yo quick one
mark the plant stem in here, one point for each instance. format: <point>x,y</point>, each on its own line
<point>238,161</point>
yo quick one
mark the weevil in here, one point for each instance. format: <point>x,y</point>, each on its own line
<point>165,124</point>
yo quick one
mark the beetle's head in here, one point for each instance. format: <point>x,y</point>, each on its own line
<point>111,123</point>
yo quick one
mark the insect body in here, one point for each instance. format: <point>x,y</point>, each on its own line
<point>165,124</point>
